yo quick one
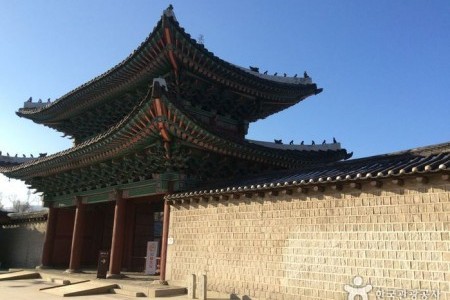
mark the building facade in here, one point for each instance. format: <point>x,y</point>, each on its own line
<point>160,154</point>
<point>169,117</point>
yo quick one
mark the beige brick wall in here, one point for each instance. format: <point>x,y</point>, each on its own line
<point>308,246</point>
<point>21,245</point>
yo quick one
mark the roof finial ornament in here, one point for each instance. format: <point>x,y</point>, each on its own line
<point>201,39</point>
<point>168,12</point>
<point>162,82</point>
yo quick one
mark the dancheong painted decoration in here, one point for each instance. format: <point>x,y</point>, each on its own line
<point>172,109</point>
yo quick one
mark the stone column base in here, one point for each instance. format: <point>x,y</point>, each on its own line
<point>42,267</point>
<point>71,271</point>
<point>114,276</point>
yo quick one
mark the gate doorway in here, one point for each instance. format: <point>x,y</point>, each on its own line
<point>144,223</point>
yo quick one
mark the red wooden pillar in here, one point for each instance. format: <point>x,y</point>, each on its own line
<point>165,236</point>
<point>129,238</point>
<point>117,244</point>
<point>47,251</point>
<point>165,233</point>
<point>77,238</point>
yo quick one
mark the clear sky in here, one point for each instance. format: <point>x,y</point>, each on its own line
<point>384,65</point>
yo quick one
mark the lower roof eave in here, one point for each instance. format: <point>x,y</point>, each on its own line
<point>419,164</point>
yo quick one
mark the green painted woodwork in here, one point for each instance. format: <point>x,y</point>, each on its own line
<point>126,156</point>
<point>134,150</point>
<point>142,190</point>
<point>65,202</point>
<point>157,185</point>
<point>95,198</point>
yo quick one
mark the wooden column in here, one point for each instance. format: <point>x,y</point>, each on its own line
<point>165,236</point>
<point>129,238</point>
<point>47,251</point>
<point>77,238</point>
<point>117,244</point>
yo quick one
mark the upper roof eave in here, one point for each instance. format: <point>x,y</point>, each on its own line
<point>63,107</point>
<point>37,114</point>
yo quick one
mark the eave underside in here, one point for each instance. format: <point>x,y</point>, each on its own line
<point>155,138</point>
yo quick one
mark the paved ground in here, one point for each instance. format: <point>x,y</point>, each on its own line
<point>26,289</point>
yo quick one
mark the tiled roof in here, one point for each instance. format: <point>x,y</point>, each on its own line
<point>15,219</point>
<point>97,145</point>
<point>7,161</point>
<point>420,161</point>
<point>167,46</point>
<point>140,129</point>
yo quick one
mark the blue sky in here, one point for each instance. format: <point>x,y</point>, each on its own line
<point>384,65</point>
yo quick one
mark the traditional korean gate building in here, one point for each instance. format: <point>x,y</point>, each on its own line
<point>169,116</point>
<point>160,155</point>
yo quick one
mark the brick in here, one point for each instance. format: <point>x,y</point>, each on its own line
<point>296,249</point>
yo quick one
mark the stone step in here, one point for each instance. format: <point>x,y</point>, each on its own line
<point>126,292</point>
<point>81,289</point>
<point>165,291</point>
<point>16,275</point>
<point>58,285</point>
<point>60,280</point>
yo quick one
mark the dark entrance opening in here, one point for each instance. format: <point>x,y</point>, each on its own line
<point>97,232</point>
<point>144,224</point>
<point>60,254</point>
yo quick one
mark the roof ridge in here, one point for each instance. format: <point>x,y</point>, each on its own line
<point>423,151</point>
<point>404,163</point>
